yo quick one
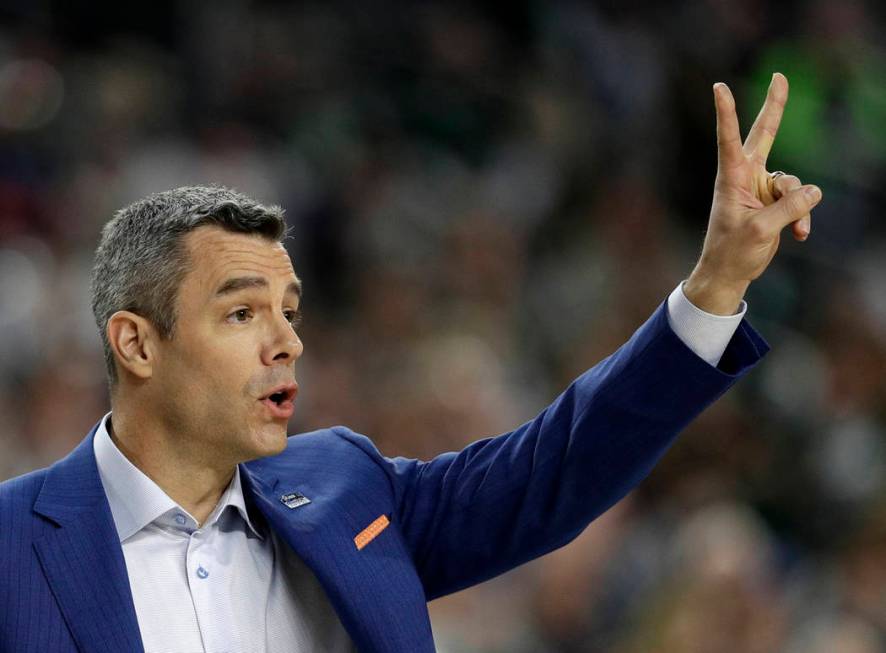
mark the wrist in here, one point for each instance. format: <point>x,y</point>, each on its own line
<point>714,295</point>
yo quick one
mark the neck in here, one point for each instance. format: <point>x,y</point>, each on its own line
<point>183,472</point>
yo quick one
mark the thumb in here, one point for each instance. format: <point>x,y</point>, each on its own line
<point>793,205</point>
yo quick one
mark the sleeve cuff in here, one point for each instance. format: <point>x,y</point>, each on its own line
<point>707,335</point>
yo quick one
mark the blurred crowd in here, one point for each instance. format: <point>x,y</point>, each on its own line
<point>483,203</point>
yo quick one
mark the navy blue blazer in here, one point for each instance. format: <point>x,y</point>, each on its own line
<point>455,521</point>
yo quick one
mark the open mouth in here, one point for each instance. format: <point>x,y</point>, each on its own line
<point>280,401</point>
<point>282,393</point>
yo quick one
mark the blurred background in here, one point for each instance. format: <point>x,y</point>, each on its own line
<point>484,202</point>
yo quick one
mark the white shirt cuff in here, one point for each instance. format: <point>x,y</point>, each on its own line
<point>705,334</point>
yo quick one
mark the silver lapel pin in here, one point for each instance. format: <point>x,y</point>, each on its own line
<point>294,500</point>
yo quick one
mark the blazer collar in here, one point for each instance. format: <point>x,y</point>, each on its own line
<point>72,485</point>
<point>82,558</point>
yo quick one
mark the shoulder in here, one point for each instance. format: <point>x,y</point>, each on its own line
<point>21,492</point>
<point>335,454</point>
<point>336,459</point>
<point>337,443</point>
<point>18,520</point>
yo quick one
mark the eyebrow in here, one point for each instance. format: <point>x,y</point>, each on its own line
<point>237,284</point>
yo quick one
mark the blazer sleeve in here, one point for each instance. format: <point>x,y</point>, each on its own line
<point>470,515</point>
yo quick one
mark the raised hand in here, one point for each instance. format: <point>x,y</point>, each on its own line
<point>750,206</point>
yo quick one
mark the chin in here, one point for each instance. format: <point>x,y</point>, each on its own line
<point>269,440</point>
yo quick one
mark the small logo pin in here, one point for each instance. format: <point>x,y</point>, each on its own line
<point>294,500</point>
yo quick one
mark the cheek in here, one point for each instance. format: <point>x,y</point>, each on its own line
<point>211,348</point>
<point>225,371</point>
<point>208,370</point>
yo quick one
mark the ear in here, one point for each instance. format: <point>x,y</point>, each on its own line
<point>132,338</point>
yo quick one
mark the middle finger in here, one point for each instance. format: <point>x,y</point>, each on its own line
<point>765,127</point>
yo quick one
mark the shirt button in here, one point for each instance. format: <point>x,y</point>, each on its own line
<point>201,572</point>
<point>180,519</point>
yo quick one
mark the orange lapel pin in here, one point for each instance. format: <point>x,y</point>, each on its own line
<point>369,533</point>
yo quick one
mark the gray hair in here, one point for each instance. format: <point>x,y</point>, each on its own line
<point>141,258</point>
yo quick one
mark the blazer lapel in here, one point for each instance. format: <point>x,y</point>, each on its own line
<point>380,606</point>
<point>82,558</point>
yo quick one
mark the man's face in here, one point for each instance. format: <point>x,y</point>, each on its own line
<point>234,345</point>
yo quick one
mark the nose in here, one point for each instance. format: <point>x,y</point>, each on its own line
<point>283,345</point>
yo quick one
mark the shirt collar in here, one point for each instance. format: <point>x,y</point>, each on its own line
<point>137,501</point>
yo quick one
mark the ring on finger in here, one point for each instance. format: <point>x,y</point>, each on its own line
<point>775,175</point>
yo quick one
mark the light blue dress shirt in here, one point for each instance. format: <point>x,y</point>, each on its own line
<point>222,587</point>
<point>228,587</point>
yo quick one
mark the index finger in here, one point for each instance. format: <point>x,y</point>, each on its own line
<point>729,153</point>
<point>765,127</point>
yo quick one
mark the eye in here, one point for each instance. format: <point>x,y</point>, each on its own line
<point>240,316</point>
<point>294,318</point>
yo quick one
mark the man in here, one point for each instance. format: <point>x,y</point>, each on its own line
<point>188,521</point>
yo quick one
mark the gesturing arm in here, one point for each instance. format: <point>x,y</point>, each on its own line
<point>470,515</point>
